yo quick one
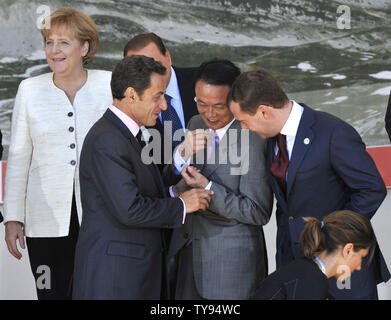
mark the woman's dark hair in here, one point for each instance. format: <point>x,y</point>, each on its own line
<point>254,88</point>
<point>134,71</point>
<point>337,229</point>
<point>218,72</point>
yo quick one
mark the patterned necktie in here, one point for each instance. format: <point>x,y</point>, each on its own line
<point>171,115</point>
<point>281,162</point>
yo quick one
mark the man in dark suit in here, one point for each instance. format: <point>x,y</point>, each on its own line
<point>120,252</point>
<point>317,164</point>
<point>388,118</point>
<point>179,94</point>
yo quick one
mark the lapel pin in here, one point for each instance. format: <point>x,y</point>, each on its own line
<point>306,141</point>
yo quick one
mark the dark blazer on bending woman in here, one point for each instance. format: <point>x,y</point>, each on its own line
<point>298,280</point>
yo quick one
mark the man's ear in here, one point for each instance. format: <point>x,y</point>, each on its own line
<point>131,94</point>
<point>263,112</point>
<point>168,56</point>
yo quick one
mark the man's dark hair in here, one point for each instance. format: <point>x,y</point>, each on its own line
<point>219,72</point>
<point>134,71</point>
<point>142,40</point>
<point>253,88</point>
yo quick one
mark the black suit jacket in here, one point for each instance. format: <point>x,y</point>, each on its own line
<point>298,280</point>
<point>329,170</point>
<point>388,117</point>
<point>186,83</point>
<point>120,250</point>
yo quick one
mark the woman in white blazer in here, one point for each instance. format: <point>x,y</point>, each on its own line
<point>52,115</point>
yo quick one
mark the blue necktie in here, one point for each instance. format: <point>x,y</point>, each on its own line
<point>171,115</point>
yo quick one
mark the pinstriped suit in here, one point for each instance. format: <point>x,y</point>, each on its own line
<point>228,248</point>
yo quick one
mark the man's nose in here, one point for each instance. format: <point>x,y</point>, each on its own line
<point>163,104</point>
<point>210,112</point>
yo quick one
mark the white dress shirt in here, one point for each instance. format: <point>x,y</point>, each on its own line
<point>290,127</point>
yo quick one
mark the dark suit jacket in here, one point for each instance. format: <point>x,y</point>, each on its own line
<point>298,280</point>
<point>332,172</point>
<point>120,250</point>
<point>388,117</point>
<point>186,82</point>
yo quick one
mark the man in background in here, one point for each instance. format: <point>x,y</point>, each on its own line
<point>179,94</point>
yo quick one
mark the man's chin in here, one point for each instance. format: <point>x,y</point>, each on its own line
<point>151,123</point>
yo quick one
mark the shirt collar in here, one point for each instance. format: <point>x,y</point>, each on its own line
<point>172,89</point>
<point>222,131</point>
<point>292,124</point>
<point>128,121</point>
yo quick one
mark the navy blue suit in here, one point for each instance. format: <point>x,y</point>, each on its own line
<point>331,172</point>
<point>120,253</point>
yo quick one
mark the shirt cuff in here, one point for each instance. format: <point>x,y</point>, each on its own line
<point>172,195</point>
<point>179,162</point>
<point>209,186</point>
<point>184,211</point>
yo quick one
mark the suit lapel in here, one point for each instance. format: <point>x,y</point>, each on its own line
<point>136,146</point>
<point>303,142</point>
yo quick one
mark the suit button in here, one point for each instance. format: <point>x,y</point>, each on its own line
<point>70,114</point>
<point>72,146</point>
<point>291,218</point>
<point>186,235</point>
<point>71,129</point>
<point>73,162</point>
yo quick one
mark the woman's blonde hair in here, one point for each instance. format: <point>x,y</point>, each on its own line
<point>335,231</point>
<point>78,23</point>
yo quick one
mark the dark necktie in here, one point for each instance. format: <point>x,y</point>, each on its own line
<point>140,139</point>
<point>171,115</point>
<point>281,162</point>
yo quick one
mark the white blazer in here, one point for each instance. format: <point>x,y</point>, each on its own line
<point>47,135</point>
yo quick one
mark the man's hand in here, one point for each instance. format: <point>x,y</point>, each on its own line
<point>195,141</point>
<point>196,199</point>
<point>194,178</point>
<point>14,231</point>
